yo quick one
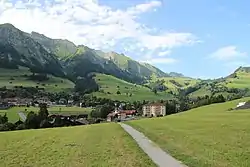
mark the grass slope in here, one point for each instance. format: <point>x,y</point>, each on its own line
<point>242,80</point>
<point>181,82</point>
<point>15,77</point>
<point>208,136</point>
<point>81,146</point>
<point>111,84</point>
<point>13,116</point>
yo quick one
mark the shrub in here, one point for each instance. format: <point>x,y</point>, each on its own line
<point>118,92</point>
<point>21,127</point>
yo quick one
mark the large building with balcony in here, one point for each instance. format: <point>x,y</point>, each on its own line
<point>154,110</point>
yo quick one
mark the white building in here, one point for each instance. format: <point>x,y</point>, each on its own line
<point>154,109</point>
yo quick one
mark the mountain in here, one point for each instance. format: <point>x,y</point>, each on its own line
<point>75,58</point>
<point>18,49</point>
<point>175,74</point>
<point>36,53</point>
<point>61,48</point>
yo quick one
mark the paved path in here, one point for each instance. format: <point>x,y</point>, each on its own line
<point>22,116</point>
<point>159,157</point>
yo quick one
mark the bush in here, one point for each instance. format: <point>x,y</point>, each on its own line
<point>21,127</point>
<point>7,126</point>
<point>45,124</point>
<point>118,92</point>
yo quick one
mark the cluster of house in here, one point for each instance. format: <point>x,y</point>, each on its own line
<point>149,110</point>
<point>9,102</point>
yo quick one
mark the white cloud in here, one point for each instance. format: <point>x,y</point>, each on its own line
<point>228,53</point>
<point>89,23</point>
<point>160,61</point>
<point>165,53</point>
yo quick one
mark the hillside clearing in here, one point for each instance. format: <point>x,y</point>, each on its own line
<point>109,86</point>
<point>13,116</point>
<point>208,136</point>
<point>73,146</point>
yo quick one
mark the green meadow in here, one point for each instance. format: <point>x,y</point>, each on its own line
<point>102,145</point>
<point>209,136</point>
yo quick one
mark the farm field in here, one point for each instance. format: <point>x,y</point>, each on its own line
<point>16,77</point>
<point>13,116</point>
<point>82,146</point>
<point>109,86</point>
<point>209,136</point>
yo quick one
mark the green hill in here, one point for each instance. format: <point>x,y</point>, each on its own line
<point>172,84</point>
<point>209,136</point>
<point>240,79</point>
<point>105,145</point>
<point>21,77</point>
<point>110,86</point>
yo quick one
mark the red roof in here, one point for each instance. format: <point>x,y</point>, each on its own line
<point>128,112</point>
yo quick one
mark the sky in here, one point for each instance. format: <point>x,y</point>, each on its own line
<point>199,38</point>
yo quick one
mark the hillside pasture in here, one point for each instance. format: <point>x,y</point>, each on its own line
<point>104,145</point>
<point>19,77</point>
<point>242,81</point>
<point>175,83</point>
<point>209,136</point>
<point>109,87</point>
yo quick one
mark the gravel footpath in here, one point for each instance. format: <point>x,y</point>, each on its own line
<point>159,157</point>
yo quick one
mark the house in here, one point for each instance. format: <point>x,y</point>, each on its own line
<point>154,109</point>
<point>120,115</point>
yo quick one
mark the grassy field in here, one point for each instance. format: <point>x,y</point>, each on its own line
<point>13,116</point>
<point>111,84</point>
<point>208,136</point>
<point>13,77</point>
<point>82,146</point>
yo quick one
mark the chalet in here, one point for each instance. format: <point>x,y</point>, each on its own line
<point>154,109</point>
<point>120,115</point>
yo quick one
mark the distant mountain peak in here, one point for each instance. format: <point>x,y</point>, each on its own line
<point>7,25</point>
<point>175,74</point>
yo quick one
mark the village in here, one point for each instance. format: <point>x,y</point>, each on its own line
<point>71,118</point>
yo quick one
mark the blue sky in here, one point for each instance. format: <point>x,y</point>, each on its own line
<point>199,38</point>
